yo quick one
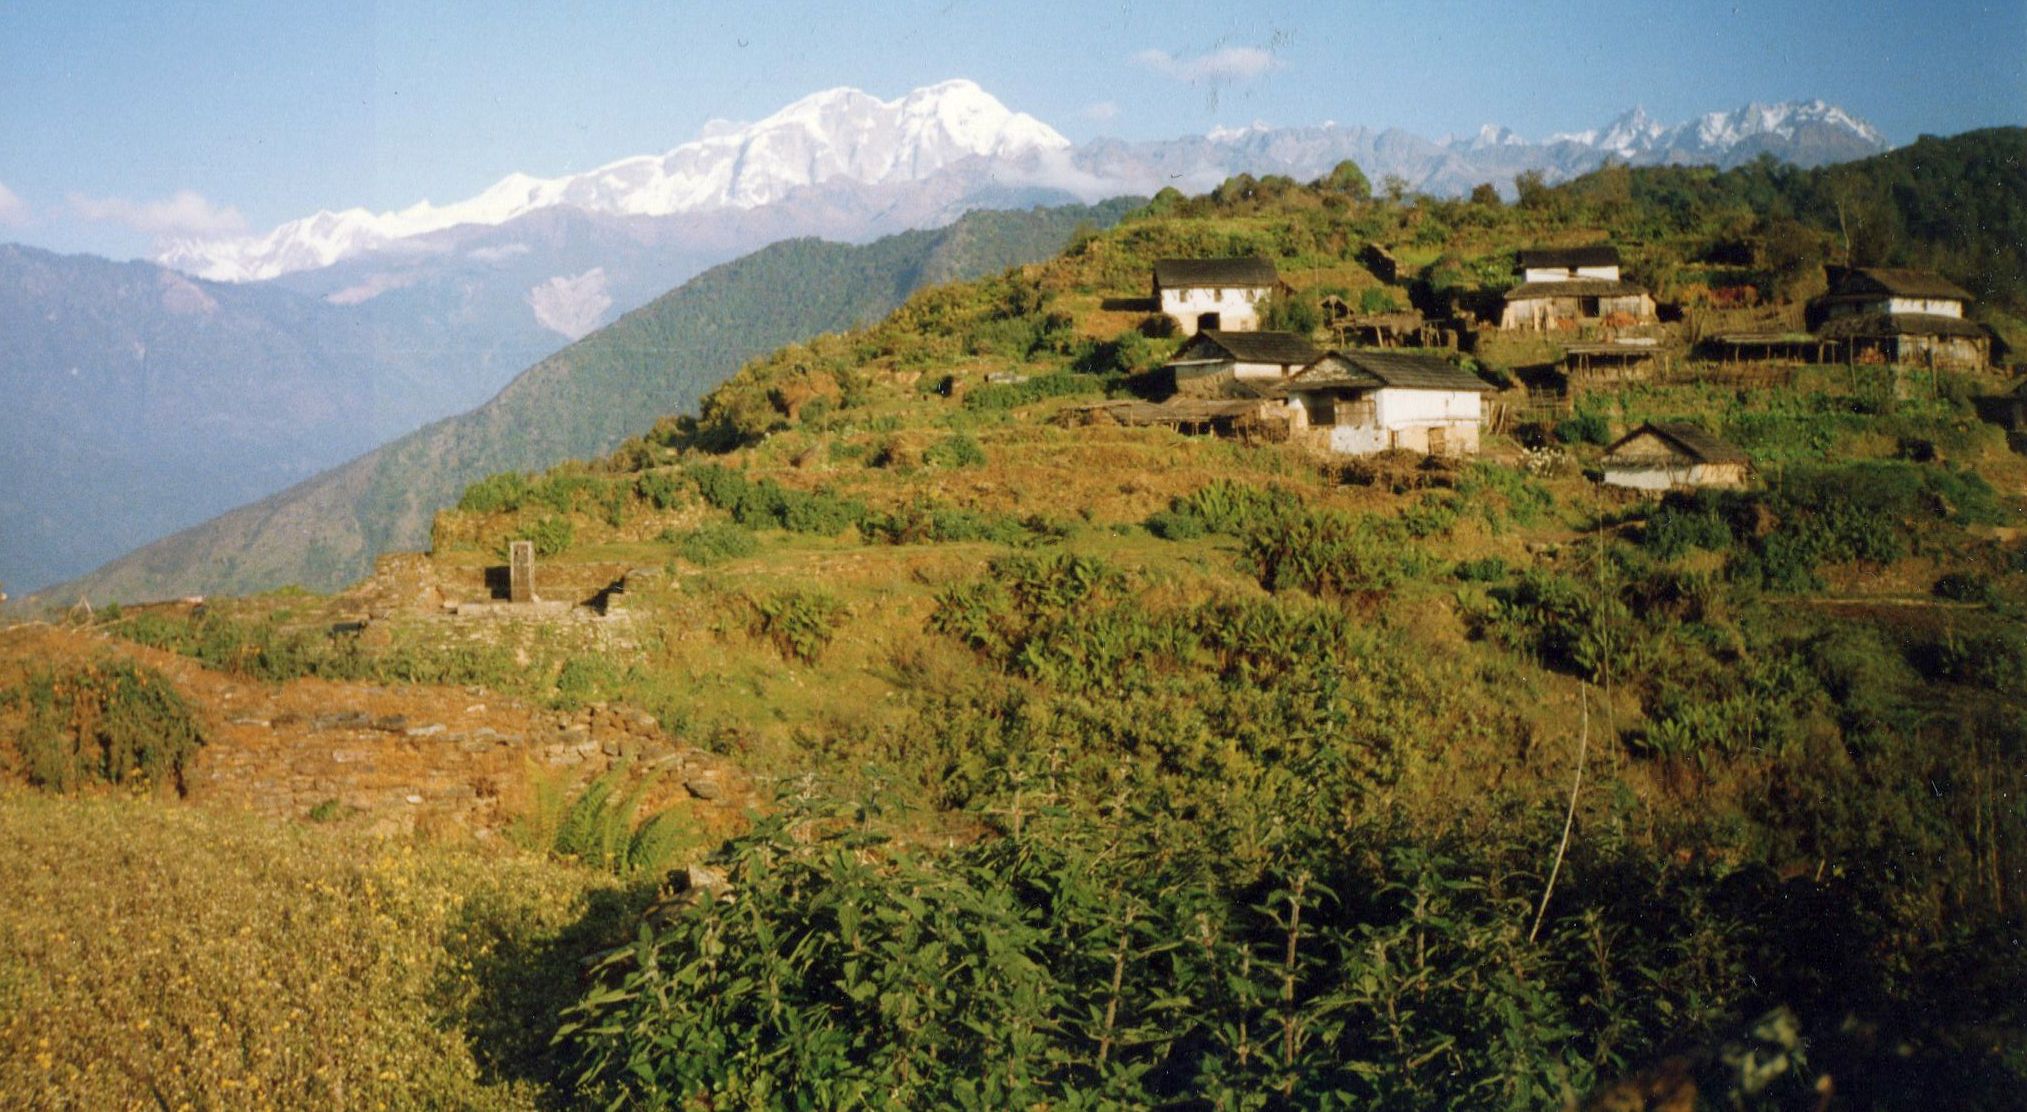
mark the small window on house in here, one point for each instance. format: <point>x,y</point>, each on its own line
<point>1322,409</point>
<point>1587,307</point>
<point>1207,320</point>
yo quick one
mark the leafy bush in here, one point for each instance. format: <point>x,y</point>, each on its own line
<point>1223,506</point>
<point>767,504</point>
<point>1680,526</point>
<point>1491,569</point>
<point>800,624</point>
<point>1324,552</point>
<point>599,825</point>
<point>924,521</point>
<point>708,545</point>
<point>552,536</point>
<point>1584,427</point>
<point>499,493</point>
<point>1570,625</point>
<point>110,721</point>
<point>664,490</point>
<point>1063,384</point>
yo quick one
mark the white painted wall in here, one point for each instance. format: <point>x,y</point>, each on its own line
<point>1403,409</point>
<point>1564,274</point>
<point>1262,372</point>
<point>1935,306</point>
<point>1236,307</point>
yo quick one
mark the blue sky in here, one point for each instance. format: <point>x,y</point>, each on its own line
<point>120,122</point>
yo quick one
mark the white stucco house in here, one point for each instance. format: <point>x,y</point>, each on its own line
<point>1663,455</point>
<point>1566,287</point>
<point>1216,363</point>
<point>1360,402</point>
<point>1888,315</point>
<point>1223,294</point>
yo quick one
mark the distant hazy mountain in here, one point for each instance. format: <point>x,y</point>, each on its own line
<point>580,402</point>
<point>138,401</point>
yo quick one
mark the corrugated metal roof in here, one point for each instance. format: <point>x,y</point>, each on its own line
<point>1188,273</point>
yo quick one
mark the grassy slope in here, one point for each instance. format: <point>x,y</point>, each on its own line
<point>660,358</point>
<point>1889,785</point>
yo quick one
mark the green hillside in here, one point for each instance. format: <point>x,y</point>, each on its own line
<point>325,531</point>
<point>1116,767</point>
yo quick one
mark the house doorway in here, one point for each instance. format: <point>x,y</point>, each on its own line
<point>1208,320</point>
<point>1439,444</point>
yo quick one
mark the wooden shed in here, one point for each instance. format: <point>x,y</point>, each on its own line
<point>1662,455</point>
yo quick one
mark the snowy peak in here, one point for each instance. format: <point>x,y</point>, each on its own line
<point>839,133</point>
<point>1637,136</point>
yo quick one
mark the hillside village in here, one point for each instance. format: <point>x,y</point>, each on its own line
<point>1230,618</point>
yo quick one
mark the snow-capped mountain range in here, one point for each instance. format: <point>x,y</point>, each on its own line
<point>839,133</point>
<point>978,151</point>
<point>1636,135</point>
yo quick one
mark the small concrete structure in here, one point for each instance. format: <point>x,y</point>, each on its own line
<point>1216,363</point>
<point>1888,315</point>
<point>521,571</point>
<point>1222,294</point>
<point>1361,402</point>
<point>1662,455</point>
<point>1566,287</point>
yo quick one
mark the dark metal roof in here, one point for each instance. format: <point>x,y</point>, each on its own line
<point>1188,273</point>
<point>1373,369</point>
<point>1285,348</point>
<point>1856,325</point>
<point>1601,254</point>
<point>1575,287</point>
<point>1686,438</point>
<point>1895,282</point>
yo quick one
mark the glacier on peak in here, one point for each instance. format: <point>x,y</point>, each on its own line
<point>836,133</point>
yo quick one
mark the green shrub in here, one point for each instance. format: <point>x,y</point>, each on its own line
<point>499,493</point>
<point>552,536</point>
<point>710,545</point>
<point>1063,384</point>
<point>799,624</point>
<point>599,825</point>
<point>1324,552</point>
<point>767,504</point>
<point>956,450</point>
<point>1966,586</point>
<point>1491,569</point>
<point>1525,500</point>
<point>109,721</point>
<point>1584,427</point>
<point>1678,527</point>
<point>1176,525</point>
<point>664,490</point>
<point>924,521</point>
